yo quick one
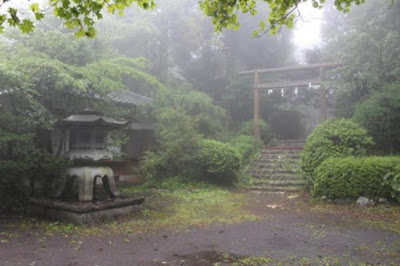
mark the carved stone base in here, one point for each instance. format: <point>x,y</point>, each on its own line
<point>84,212</point>
<point>87,176</point>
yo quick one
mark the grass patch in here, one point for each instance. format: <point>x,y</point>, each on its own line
<point>393,226</point>
<point>176,206</point>
<point>182,209</point>
<point>172,184</point>
<point>253,261</point>
<point>385,217</point>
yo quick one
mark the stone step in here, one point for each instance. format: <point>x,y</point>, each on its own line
<point>280,156</point>
<point>292,142</point>
<point>277,161</point>
<point>270,171</point>
<point>276,168</point>
<point>263,164</point>
<point>276,188</point>
<point>283,183</point>
<point>285,148</point>
<point>281,151</point>
<point>276,165</point>
<point>274,176</point>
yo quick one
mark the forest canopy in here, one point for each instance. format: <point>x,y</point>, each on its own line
<point>82,14</point>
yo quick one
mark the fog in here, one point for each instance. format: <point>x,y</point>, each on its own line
<point>214,132</point>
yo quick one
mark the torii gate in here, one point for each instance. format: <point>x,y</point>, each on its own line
<point>293,84</point>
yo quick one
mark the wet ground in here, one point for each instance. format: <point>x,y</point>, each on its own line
<point>292,229</point>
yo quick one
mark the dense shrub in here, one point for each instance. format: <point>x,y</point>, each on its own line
<point>10,175</point>
<point>392,180</point>
<point>210,118</point>
<point>178,144</point>
<point>247,147</point>
<point>43,170</point>
<point>219,161</point>
<point>38,169</point>
<point>35,175</point>
<point>153,165</point>
<point>333,138</point>
<point>247,128</point>
<point>352,177</point>
<point>12,191</point>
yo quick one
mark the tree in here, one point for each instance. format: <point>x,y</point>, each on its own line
<point>224,14</point>
<point>367,43</point>
<point>380,115</point>
<point>366,84</point>
<point>82,14</point>
<point>41,85</point>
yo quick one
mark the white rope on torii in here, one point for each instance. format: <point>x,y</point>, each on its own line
<point>291,84</point>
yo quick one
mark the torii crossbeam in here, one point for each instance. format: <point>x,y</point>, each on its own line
<point>292,84</point>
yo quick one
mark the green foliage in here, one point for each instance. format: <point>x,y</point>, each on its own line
<point>353,177</point>
<point>77,67</point>
<point>253,261</point>
<point>10,172</point>
<point>333,138</point>
<point>182,118</point>
<point>44,77</point>
<point>44,169</point>
<point>177,146</point>
<point>247,128</point>
<point>366,43</point>
<point>224,14</point>
<point>247,147</point>
<point>219,161</point>
<point>154,166</point>
<point>380,115</point>
<point>188,156</point>
<point>64,47</point>
<point>392,180</point>
<point>36,174</point>
<point>13,193</point>
<point>208,117</point>
<point>82,15</point>
<point>176,133</point>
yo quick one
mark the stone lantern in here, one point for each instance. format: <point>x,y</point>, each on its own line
<point>84,143</point>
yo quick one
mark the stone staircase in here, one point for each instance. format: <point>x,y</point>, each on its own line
<point>276,168</point>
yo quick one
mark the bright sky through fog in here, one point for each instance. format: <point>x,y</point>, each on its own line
<point>307,29</point>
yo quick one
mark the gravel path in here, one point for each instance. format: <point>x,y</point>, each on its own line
<point>291,233</point>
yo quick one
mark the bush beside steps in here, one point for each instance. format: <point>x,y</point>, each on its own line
<point>350,177</point>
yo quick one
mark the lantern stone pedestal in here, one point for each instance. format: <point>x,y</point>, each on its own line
<point>85,212</point>
<point>86,176</point>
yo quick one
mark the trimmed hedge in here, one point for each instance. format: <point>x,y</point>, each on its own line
<point>220,162</point>
<point>333,138</point>
<point>352,177</point>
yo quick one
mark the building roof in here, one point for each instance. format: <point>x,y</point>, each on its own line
<point>128,97</point>
<point>90,117</point>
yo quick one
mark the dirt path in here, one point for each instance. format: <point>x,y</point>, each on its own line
<point>290,232</point>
